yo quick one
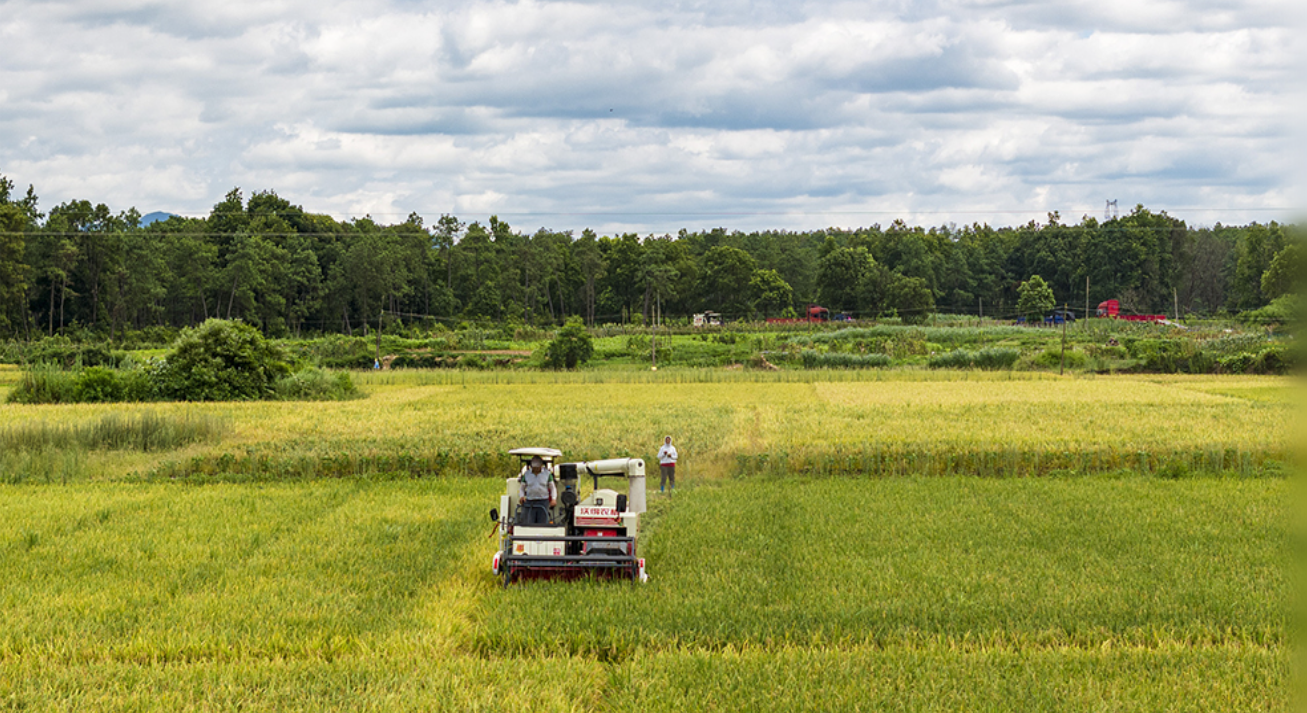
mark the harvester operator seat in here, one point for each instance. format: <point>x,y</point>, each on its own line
<point>533,515</point>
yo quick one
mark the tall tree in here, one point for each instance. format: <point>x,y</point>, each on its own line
<point>448,231</point>
<point>770,292</point>
<point>841,276</point>
<point>1035,299</point>
<point>13,268</point>
<point>1254,253</point>
<point>622,287</point>
<point>1286,273</point>
<point>726,275</point>
<point>590,263</point>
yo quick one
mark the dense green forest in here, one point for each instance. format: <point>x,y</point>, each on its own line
<point>81,268</point>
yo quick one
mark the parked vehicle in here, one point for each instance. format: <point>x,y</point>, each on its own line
<point>815,314</point>
<point>1112,309</point>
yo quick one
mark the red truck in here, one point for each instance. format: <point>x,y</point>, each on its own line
<point>1112,309</point>
<point>816,314</point>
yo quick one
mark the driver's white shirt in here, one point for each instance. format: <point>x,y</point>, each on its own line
<point>538,486</point>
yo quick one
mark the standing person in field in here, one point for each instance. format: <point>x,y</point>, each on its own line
<point>667,456</point>
<point>539,493</point>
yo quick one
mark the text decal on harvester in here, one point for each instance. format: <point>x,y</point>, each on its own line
<point>596,515</point>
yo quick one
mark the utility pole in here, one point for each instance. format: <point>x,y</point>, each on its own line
<point>982,308</point>
<point>653,324</point>
<point>1086,315</point>
<point>379,318</point>
<point>1175,293</point>
<point>1061,368</point>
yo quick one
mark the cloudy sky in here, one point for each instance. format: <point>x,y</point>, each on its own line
<point>652,116</point>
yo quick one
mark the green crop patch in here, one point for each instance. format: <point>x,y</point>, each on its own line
<point>1047,563</point>
<point>1100,593</point>
<point>940,679</point>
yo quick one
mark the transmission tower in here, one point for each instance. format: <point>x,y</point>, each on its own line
<point>1110,213</point>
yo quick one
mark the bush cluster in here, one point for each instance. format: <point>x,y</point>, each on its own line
<point>1237,355</point>
<point>316,385</point>
<point>61,351</point>
<point>222,361</point>
<point>839,360</point>
<point>939,335</point>
<point>1054,358</point>
<point>1271,360</point>
<point>1170,356</point>
<point>217,361</point>
<point>571,347</point>
<point>993,358</point>
<point>423,360</point>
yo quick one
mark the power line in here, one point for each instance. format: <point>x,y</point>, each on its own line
<point>388,231</point>
<point>738,213</point>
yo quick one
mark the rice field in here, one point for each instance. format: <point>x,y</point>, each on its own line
<point>841,541</point>
<point>896,423</point>
<point>1102,593</point>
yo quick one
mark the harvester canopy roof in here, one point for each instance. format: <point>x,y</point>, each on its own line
<point>549,455</point>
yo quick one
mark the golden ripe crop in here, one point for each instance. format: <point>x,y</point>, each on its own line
<point>896,423</point>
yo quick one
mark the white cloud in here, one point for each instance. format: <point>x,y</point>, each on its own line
<point>654,116</point>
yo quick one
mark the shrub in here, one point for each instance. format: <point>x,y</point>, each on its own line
<point>638,345</point>
<point>1052,359</point>
<point>959,359</point>
<point>421,360</point>
<point>1171,356</point>
<point>472,361</point>
<point>94,355</point>
<point>951,336</point>
<point>316,385</point>
<point>836,360</point>
<point>222,361</point>
<point>362,360</point>
<point>1271,360</point>
<point>571,347</point>
<point>1100,351</point>
<point>45,384</point>
<point>98,384</point>
<point>62,352</point>
<point>137,385</point>
<point>1286,309</point>
<point>993,358</point>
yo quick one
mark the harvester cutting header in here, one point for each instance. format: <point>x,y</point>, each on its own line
<point>547,530</point>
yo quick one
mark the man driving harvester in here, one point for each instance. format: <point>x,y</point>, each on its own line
<point>539,493</point>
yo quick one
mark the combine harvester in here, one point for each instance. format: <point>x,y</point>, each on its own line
<point>595,536</point>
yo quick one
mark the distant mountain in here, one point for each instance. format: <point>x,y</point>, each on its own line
<point>155,217</point>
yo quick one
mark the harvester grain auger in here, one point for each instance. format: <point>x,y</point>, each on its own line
<point>594,536</point>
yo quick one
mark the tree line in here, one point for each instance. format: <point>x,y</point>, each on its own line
<point>80,266</point>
